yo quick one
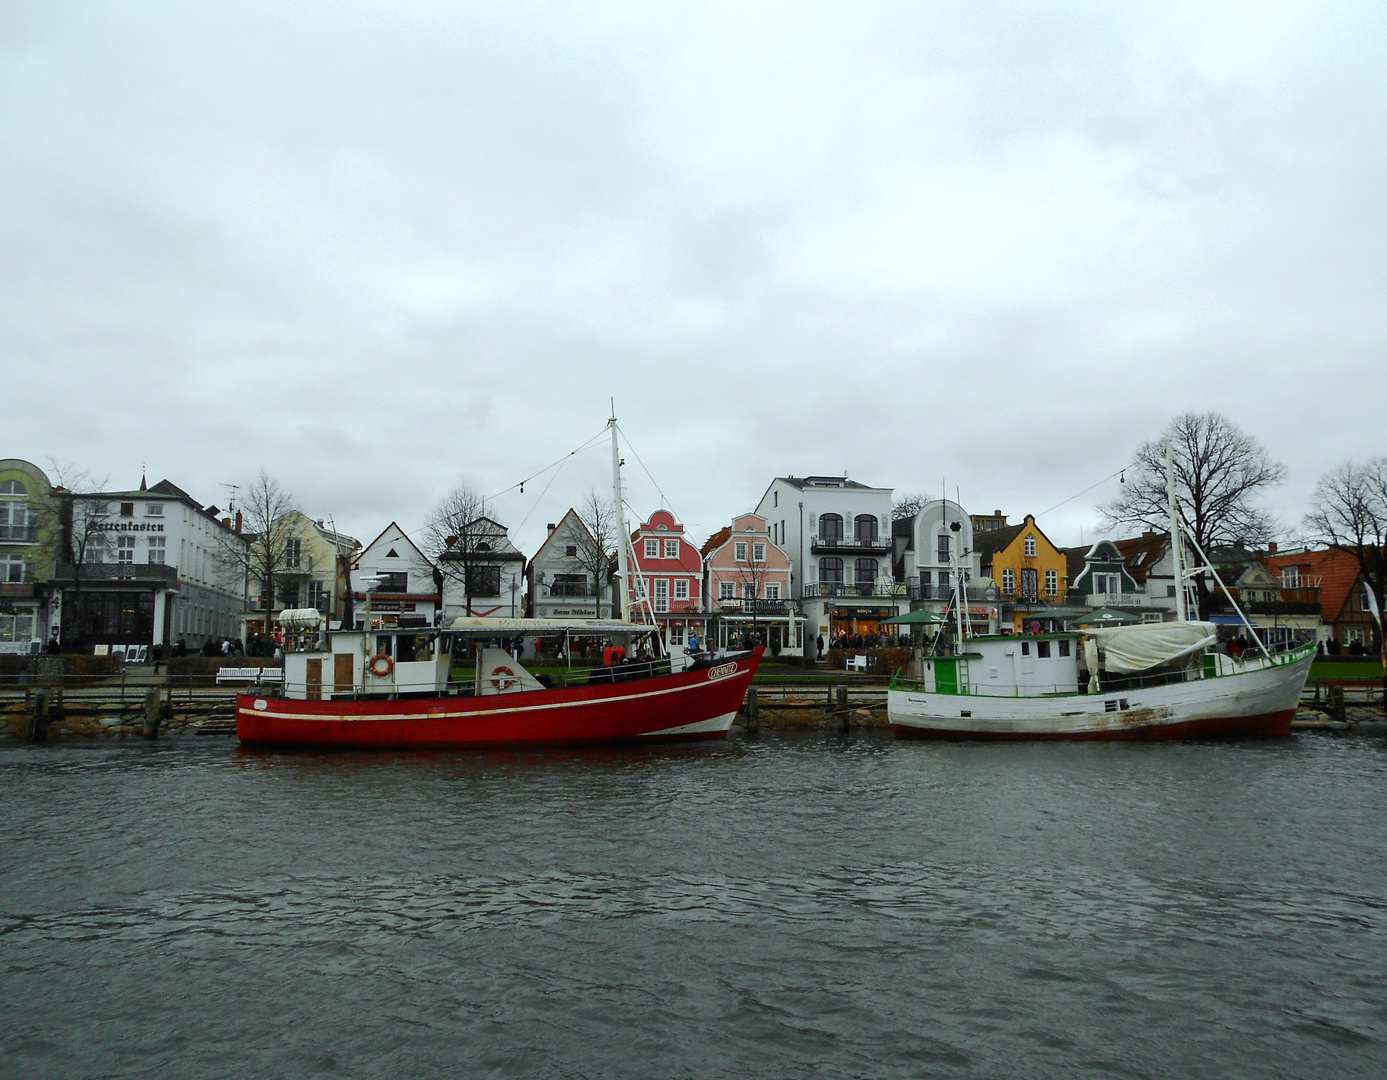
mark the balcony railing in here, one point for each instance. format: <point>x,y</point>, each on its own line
<point>880,545</point>
<point>821,588</point>
<point>118,572</point>
<point>755,607</point>
<point>19,534</point>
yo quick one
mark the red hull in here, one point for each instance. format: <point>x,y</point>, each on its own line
<point>697,704</point>
<point>1221,727</point>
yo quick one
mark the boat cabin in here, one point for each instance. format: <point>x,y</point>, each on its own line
<point>1027,666</point>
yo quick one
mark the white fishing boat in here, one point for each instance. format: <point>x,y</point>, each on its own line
<point>1147,681</point>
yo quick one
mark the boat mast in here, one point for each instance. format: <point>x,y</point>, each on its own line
<point>1176,546</point>
<point>623,533</point>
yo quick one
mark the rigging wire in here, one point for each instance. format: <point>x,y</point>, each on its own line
<point>632,447</point>
<point>1084,492</point>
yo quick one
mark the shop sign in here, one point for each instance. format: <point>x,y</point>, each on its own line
<point>128,526</point>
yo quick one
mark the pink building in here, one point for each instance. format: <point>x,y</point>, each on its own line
<point>671,572</point>
<point>749,587</point>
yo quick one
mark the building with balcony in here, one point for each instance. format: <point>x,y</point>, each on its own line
<point>150,566</point>
<point>28,525</point>
<point>570,576</point>
<point>399,584</point>
<point>932,550</point>
<point>749,588</point>
<point>1334,579</point>
<point>667,580</point>
<point>1098,577</point>
<point>311,573</point>
<point>1030,573</point>
<point>837,535</point>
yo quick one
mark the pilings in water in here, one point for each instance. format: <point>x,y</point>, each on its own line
<point>38,726</point>
<point>152,715</point>
<point>840,707</point>
<point>752,709</point>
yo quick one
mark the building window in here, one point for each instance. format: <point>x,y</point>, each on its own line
<point>398,581</point>
<point>317,596</point>
<point>831,527</point>
<point>748,590</point>
<point>127,509</point>
<point>293,552</point>
<point>943,549</point>
<point>727,590</point>
<point>288,594</point>
<point>1030,584</point>
<point>681,588</point>
<point>482,580</point>
<point>831,571</point>
<point>157,549</point>
<point>1052,582</point>
<point>17,627</point>
<point>865,574</point>
<point>773,590</point>
<point>154,509</point>
<point>571,551</point>
<point>18,523</point>
<point>1008,581</point>
<point>569,585</point>
<point>652,549</point>
<point>758,552</point>
<point>661,594</point>
<point>11,569</point>
<point>864,528</point>
<point>1030,547</point>
<point>676,635</point>
<point>1170,591</point>
<point>13,489</point>
<point>739,551</point>
<point>671,549</point>
<point>125,549</point>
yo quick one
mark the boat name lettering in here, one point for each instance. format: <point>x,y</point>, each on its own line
<point>261,704</point>
<point>722,671</point>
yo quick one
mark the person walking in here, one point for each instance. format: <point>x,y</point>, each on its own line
<point>819,644</point>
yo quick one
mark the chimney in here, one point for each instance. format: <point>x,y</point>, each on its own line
<point>1271,547</point>
<point>995,513</point>
<point>551,526</point>
<point>238,521</point>
<point>226,523</point>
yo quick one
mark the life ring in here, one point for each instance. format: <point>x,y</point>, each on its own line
<point>503,678</point>
<point>381,665</point>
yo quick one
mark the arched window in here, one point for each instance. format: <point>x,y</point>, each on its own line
<point>864,528</point>
<point>13,489</point>
<point>830,527</point>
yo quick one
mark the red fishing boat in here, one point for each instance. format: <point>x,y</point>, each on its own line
<point>390,688</point>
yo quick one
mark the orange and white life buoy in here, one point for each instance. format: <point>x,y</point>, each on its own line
<point>381,665</point>
<point>503,678</point>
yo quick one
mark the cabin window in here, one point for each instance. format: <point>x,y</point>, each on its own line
<point>1025,648</point>
<point>1064,648</point>
<point>383,645</point>
<point>1042,649</point>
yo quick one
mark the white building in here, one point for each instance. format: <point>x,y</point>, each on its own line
<point>561,578</point>
<point>931,550</point>
<point>837,534</point>
<point>492,574</point>
<point>406,584</point>
<point>154,569</point>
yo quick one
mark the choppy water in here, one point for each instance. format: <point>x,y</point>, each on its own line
<point>793,905</point>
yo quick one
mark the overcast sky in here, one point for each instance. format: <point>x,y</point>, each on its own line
<point>381,250</point>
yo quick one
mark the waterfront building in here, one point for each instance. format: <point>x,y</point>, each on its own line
<point>837,535</point>
<point>146,567</point>
<point>749,585</point>
<point>1099,578</point>
<point>570,576</point>
<point>406,589</point>
<point>483,569</point>
<point>931,550</point>
<point>1030,573</point>
<point>667,580</point>
<point>28,527</point>
<point>312,573</point>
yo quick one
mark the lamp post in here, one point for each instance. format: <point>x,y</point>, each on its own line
<point>512,594</point>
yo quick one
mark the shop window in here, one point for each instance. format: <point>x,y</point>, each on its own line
<point>676,635</point>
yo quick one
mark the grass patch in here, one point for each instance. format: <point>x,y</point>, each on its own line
<point>1366,670</point>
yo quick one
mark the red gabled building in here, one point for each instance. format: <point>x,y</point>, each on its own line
<point>670,569</point>
<point>1344,611</point>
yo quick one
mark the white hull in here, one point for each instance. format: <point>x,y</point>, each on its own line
<point>1253,698</point>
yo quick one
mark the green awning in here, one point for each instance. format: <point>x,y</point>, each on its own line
<point>915,617</point>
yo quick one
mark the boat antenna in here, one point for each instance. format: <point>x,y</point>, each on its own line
<point>624,541</point>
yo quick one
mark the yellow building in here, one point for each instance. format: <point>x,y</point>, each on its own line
<point>28,521</point>
<point>309,572</point>
<point>1028,569</point>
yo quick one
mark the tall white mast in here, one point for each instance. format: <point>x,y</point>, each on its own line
<point>622,532</point>
<point>1176,547</point>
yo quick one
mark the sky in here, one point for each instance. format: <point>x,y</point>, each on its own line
<point>380,251</point>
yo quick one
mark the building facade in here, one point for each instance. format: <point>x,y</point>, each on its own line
<point>395,580</point>
<point>749,586</point>
<point>936,548</point>
<point>492,574</point>
<point>1030,573</point>
<point>837,535</point>
<point>561,579</point>
<point>666,581</point>
<point>29,613</point>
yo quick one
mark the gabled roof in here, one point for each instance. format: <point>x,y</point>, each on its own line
<point>404,535</point>
<point>1339,574</point>
<point>577,521</point>
<point>1142,552</point>
<point>995,540</point>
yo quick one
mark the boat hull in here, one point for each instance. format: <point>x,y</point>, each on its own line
<point>688,705</point>
<point>1260,701</point>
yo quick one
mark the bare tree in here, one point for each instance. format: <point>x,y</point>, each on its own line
<point>80,528</point>
<point>1219,472</point>
<point>263,550</point>
<point>1349,514</point>
<point>908,505</point>
<point>461,540</point>
<point>752,575</point>
<point>595,550</point>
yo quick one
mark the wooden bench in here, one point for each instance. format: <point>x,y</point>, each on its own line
<point>250,674</point>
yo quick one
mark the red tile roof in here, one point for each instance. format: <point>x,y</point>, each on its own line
<point>1339,573</point>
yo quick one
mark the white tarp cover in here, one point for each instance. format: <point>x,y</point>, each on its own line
<point>498,672</point>
<point>1136,648</point>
